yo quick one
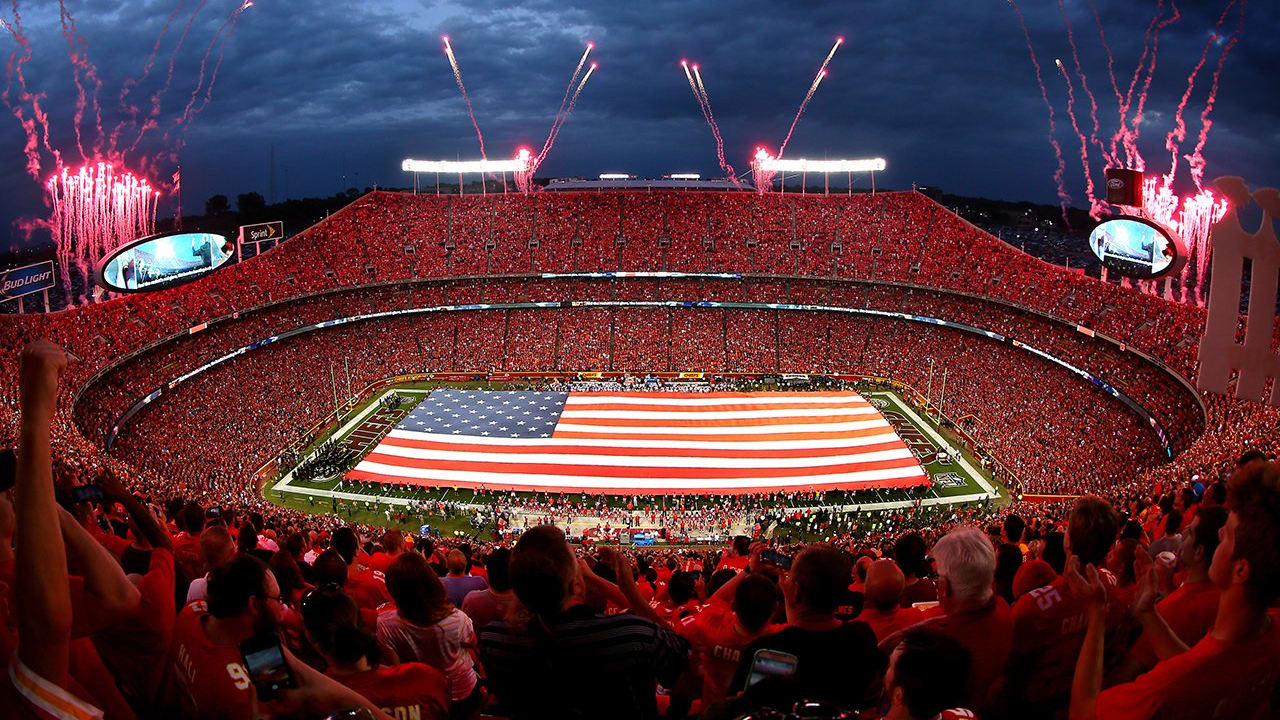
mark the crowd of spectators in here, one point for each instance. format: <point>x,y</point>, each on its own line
<point>127,603</point>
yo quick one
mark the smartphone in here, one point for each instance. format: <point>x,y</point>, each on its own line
<point>770,664</point>
<point>213,513</point>
<point>776,559</point>
<point>86,493</point>
<point>264,659</point>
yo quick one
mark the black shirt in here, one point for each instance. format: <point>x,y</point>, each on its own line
<point>842,666</point>
<point>582,665</point>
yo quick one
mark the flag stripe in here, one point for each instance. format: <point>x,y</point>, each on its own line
<point>738,417</point>
<point>572,409</point>
<point>887,441</point>
<point>426,457</point>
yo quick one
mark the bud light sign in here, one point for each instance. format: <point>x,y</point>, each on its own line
<point>26,280</point>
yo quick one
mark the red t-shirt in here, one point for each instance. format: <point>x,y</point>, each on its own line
<point>737,562</point>
<point>135,647</point>
<point>887,622</point>
<point>987,633</point>
<point>368,588</point>
<point>208,680</point>
<point>1049,627</point>
<point>380,561</point>
<point>408,690</point>
<point>921,590</point>
<point>1190,611</point>
<point>1214,679</point>
<point>718,642</point>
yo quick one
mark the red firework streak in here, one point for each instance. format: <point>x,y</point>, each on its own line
<point>813,87</point>
<point>1084,85</point>
<point>457,75</point>
<point>1196,158</point>
<point>1095,207</point>
<point>715,129</point>
<point>1063,197</point>
<point>561,116</point>
<point>151,122</point>
<point>1122,138</point>
<point>1179,131</point>
<point>1135,123</point>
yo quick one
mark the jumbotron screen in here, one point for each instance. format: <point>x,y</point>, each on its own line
<point>1134,247</point>
<point>164,261</point>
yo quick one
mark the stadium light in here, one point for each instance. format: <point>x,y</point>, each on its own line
<point>515,165</point>
<point>801,165</point>
<point>685,176</point>
<point>614,176</point>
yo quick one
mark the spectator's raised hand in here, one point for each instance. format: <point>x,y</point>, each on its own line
<point>1087,584</point>
<point>41,365</point>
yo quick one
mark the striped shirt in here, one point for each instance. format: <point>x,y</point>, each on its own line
<point>588,665</point>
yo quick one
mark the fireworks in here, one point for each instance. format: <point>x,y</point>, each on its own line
<point>1058,178</point>
<point>94,211</point>
<point>1095,207</point>
<point>457,75</point>
<point>813,87</point>
<point>561,115</point>
<point>704,103</point>
<point>761,171</point>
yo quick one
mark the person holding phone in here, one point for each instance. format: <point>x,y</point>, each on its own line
<point>835,661</point>
<point>227,661</point>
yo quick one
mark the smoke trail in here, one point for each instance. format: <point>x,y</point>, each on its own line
<point>1084,85</point>
<point>1111,67</point>
<point>1063,197</point>
<point>152,122</point>
<point>38,115</point>
<point>1095,208</point>
<point>1179,131</point>
<point>457,75</point>
<point>213,78</point>
<point>557,121</point>
<point>187,112</point>
<point>1135,123</point>
<point>1196,158</point>
<point>1122,136</point>
<point>813,87</point>
<point>715,129</point>
<point>81,102</point>
<point>573,100</point>
<point>31,148</point>
<point>132,82</point>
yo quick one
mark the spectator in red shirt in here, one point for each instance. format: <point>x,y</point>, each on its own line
<point>1049,622</point>
<point>485,606</point>
<point>1232,671</point>
<point>1191,608</point>
<point>736,556</point>
<point>928,673</point>
<point>392,546</point>
<point>971,612</point>
<point>909,554</point>
<point>40,665</point>
<point>367,587</point>
<point>404,690</point>
<point>883,594</point>
<point>735,615</point>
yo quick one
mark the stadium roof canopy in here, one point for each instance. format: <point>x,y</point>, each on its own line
<point>644,184</point>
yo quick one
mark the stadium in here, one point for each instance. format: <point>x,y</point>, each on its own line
<point>708,415</point>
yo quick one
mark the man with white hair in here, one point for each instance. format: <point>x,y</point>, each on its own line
<point>972,614</point>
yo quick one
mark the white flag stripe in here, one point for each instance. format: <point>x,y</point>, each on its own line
<point>638,460</point>
<point>716,415</point>
<point>551,443</point>
<point>536,480</point>
<point>774,399</point>
<point>817,428</point>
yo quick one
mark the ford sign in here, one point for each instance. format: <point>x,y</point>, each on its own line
<point>163,261</point>
<point>26,280</point>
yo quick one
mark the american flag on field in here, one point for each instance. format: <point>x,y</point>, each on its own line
<point>643,442</point>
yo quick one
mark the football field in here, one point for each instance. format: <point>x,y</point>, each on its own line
<point>955,476</point>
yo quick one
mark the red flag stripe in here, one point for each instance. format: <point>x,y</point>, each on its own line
<point>644,452</point>
<point>620,471</point>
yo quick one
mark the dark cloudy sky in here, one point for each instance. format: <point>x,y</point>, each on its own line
<point>943,89</point>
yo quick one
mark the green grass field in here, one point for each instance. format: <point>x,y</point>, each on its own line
<point>960,479</point>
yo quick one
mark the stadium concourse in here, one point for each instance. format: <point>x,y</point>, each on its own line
<point>171,404</point>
